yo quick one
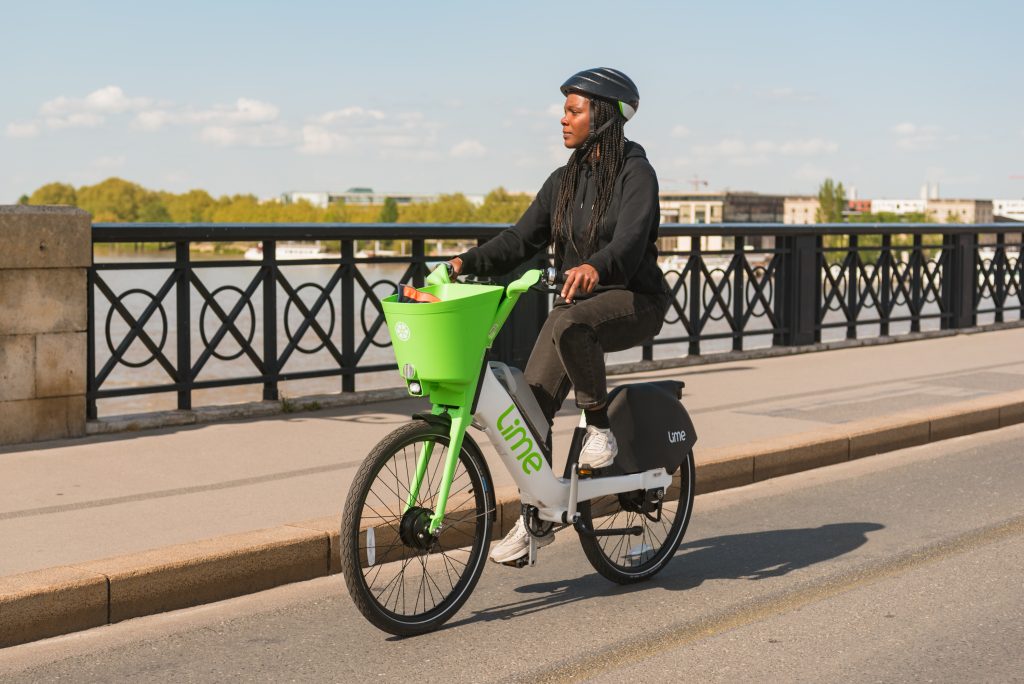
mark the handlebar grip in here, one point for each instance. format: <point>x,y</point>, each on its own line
<point>552,276</point>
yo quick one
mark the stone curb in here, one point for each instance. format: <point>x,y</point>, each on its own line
<point>264,409</point>
<point>54,601</point>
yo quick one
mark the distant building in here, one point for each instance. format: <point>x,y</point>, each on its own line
<point>358,196</point>
<point>899,206</point>
<point>716,207</point>
<point>720,207</point>
<point>860,206</point>
<point>960,210</point>
<point>1012,209</point>
<point>366,197</point>
<point>800,210</point>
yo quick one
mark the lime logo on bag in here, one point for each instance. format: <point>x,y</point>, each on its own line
<point>402,331</point>
<point>528,458</point>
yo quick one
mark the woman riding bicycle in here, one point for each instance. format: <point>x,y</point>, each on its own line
<point>600,214</point>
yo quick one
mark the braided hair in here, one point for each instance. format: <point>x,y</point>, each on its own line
<point>606,154</point>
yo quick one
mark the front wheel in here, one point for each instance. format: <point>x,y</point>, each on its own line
<point>626,559</point>
<point>402,579</point>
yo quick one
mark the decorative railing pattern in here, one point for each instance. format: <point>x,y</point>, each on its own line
<point>192,324</point>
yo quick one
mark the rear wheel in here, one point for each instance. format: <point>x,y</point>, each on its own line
<point>626,559</point>
<point>402,579</point>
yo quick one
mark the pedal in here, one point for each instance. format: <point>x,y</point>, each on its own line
<point>585,471</point>
<point>520,562</point>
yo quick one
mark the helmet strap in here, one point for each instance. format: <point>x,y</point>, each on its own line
<point>593,135</point>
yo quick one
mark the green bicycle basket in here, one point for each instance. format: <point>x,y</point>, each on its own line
<point>443,342</point>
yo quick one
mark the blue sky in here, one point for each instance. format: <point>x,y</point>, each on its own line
<point>265,97</point>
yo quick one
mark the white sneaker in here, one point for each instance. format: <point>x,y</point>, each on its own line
<point>599,447</point>
<point>516,544</point>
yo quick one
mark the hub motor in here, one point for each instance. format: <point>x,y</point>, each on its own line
<point>414,529</point>
<point>646,502</point>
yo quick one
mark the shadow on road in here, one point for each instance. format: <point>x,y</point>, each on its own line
<point>749,556</point>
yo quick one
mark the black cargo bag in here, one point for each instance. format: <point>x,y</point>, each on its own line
<point>650,425</point>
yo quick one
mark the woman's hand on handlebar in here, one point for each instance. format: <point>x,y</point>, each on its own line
<point>582,278</point>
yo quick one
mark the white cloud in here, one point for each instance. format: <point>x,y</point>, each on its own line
<point>22,130</point>
<point>351,114</point>
<point>89,111</point>
<point>409,135</point>
<point>243,111</point>
<point>244,122</point>
<point>914,137</point>
<point>468,149</point>
<point>319,140</point>
<point>680,131</point>
<point>76,120</point>
<point>740,153</point>
<point>152,120</point>
<point>108,100</point>
<point>267,135</point>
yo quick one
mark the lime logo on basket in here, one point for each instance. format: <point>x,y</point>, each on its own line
<point>402,331</point>
<point>530,459</point>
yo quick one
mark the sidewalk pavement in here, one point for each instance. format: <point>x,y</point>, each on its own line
<point>160,497</point>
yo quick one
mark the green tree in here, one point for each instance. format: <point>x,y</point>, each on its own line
<point>501,206</point>
<point>452,209</point>
<point>194,206</point>
<point>237,209</point>
<point>55,193</point>
<point>389,212</point>
<point>890,217</point>
<point>152,210</point>
<point>831,202</point>
<point>415,213</point>
<point>23,199</point>
<point>336,212</point>
<point>114,199</point>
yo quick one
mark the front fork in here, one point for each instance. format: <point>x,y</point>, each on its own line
<point>459,423</point>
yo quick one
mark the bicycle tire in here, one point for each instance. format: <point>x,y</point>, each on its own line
<point>619,558</point>
<point>375,566</point>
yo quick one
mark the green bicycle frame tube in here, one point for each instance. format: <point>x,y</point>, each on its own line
<point>421,470</point>
<point>421,466</point>
<point>458,431</point>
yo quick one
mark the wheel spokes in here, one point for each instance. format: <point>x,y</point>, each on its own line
<point>405,580</point>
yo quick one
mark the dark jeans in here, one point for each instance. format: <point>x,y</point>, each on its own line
<point>570,349</point>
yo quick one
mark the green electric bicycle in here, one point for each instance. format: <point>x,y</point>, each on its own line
<point>419,517</point>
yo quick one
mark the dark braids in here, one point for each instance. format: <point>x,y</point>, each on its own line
<point>606,153</point>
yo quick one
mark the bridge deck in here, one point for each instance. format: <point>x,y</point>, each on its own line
<point>80,500</point>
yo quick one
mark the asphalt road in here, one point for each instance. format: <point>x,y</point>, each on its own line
<point>901,567</point>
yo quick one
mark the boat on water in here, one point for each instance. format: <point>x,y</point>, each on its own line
<point>286,251</point>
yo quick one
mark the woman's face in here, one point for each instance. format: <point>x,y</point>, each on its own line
<point>576,120</point>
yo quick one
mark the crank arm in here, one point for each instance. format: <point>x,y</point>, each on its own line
<point>612,532</point>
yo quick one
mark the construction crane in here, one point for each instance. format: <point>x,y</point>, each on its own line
<point>696,182</point>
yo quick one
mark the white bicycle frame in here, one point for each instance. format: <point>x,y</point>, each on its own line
<point>554,497</point>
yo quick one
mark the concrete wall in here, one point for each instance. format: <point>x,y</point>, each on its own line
<point>44,255</point>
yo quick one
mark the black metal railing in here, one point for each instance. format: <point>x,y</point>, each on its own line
<point>191,323</point>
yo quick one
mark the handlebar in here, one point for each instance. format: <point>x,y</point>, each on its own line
<point>552,276</point>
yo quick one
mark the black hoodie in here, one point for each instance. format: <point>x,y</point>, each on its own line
<point>626,255</point>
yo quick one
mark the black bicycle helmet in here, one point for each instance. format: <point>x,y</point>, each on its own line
<point>606,84</point>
